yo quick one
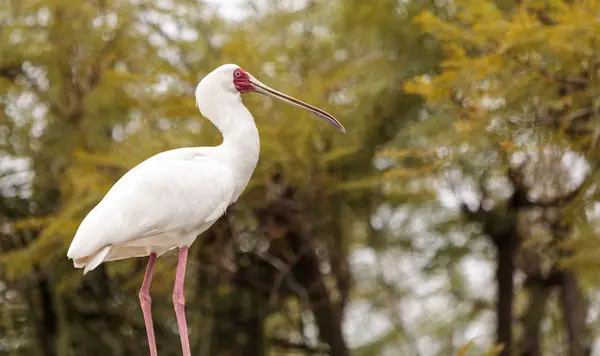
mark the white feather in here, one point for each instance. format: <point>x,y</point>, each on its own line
<point>164,203</point>
<point>96,259</point>
<point>168,200</point>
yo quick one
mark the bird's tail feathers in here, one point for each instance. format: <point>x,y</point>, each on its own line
<point>96,259</point>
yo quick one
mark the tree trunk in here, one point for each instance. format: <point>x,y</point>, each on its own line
<point>573,303</point>
<point>504,304</point>
<point>235,327</point>
<point>46,324</point>
<point>538,292</point>
<point>574,308</point>
<point>232,314</point>
<point>288,229</point>
<point>327,313</point>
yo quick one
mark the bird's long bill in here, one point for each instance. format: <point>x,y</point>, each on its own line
<point>264,89</point>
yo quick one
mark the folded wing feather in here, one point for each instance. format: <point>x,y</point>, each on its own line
<point>157,196</point>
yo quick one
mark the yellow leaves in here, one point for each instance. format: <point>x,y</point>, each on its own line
<point>507,146</point>
<point>16,263</point>
<point>454,51</point>
<point>477,24</point>
<point>477,11</point>
<point>484,19</point>
<point>338,153</point>
<point>19,262</point>
<point>493,350</point>
<point>574,27</point>
<point>578,13</point>
<point>488,55</point>
<point>462,72</point>
<point>462,351</point>
<point>524,17</point>
<point>430,161</point>
<point>31,223</point>
<point>433,89</point>
<point>101,159</point>
<point>447,31</point>
<point>480,68</point>
<point>419,85</point>
<point>177,106</point>
<point>116,77</point>
<point>463,127</point>
<point>55,235</point>
<point>368,184</point>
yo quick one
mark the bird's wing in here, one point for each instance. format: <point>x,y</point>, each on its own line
<point>159,195</point>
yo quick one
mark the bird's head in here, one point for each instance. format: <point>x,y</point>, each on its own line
<point>232,79</point>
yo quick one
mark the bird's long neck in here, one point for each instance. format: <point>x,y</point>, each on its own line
<point>241,148</point>
<point>241,144</point>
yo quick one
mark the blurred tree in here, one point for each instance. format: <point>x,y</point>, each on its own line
<point>522,81</point>
<point>102,109</point>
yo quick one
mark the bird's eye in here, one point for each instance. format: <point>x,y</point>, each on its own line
<point>237,73</point>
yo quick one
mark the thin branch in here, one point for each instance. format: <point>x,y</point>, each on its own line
<point>573,80</point>
<point>283,269</point>
<point>578,114</point>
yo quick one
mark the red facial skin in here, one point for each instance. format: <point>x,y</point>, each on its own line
<point>241,81</point>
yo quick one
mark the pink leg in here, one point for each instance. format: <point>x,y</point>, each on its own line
<point>179,301</point>
<point>146,302</point>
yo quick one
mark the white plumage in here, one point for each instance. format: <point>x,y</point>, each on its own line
<point>163,203</point>
<point>169,199</point>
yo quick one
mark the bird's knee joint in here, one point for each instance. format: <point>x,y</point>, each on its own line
<point>145,298</point>
<point>178,298</point>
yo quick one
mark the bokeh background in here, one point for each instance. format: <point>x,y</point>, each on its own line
<point>458,216</point>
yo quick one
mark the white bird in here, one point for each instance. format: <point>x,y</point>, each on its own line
<point>166,201</point>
